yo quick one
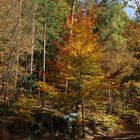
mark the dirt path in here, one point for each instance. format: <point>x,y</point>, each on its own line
<point>126,136</point>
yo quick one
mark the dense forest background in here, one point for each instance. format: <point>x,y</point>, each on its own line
<point>69,67</point>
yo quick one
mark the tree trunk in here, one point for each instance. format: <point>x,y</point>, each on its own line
<point>44,62</point>
<point>33,43</point>
<point>17,57</point>
<point>44,54</point>
<point>66,87</point>
<point>83,125</point>
<point>33,39</point>
<point>109,90</point>
<point>4,91</point>
<point>72,18</point>
<point>44,57</point>
<point>16,75</point>
<point>110,101</point>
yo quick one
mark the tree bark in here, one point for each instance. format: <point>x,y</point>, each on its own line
<point>72,18</point>
<point>33,43</point>
<point>33,39</point>
<point>17,67</point>
<point>109,90</point>
<point>44,54</point>
<point>83,125</point>
<point>66,87</point>
<point>17,57</point>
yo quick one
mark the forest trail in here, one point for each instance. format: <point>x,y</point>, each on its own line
<point>125,136</point>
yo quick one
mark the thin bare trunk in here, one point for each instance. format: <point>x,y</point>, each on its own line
<point>44,54</point>
<point>33,43</point>
<point>66,87</point>
<point>126,97</point>
<point>110,101</point>
<point>80,101</point>
<point>17,57</point>
<point>17,67</point>
<point>33,39</point>
<point>44,62</point>
<point>109,90</point>
<point>4,91</point>
<point>83,125</point>
<point>72,18</point>
<point>71,33</point>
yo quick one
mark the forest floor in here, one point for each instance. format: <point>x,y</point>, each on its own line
<point>124,136</point>
<point>15,129</point>
<point>59,136</point>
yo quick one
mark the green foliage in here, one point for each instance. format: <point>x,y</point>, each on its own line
<point>111,22</point>
<point>53,14</point>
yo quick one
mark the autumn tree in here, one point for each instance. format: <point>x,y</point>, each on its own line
<point>80,58</point>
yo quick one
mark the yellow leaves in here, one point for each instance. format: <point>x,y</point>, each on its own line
<point>80,49</point>
<point>70,78</point>
<point>25,116</point>
<point>25,102</point>
<point>137,84</point>
<point>43,86</point>
<point>23,109</point>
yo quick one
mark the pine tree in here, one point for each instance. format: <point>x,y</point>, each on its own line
<point>111,22</point>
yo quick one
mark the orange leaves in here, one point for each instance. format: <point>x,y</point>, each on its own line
<point>82,28</point>
<point>81,53</point>
<point>83,41</point>
<point>83,31</point>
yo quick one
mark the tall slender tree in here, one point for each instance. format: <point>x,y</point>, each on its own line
<point>80,58</point>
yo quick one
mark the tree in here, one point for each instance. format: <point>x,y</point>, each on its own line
<point>15,40</point>
<point>111,22</point>
<point>50,17</point>
<point>14,43</point>
<point>80,59</point>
